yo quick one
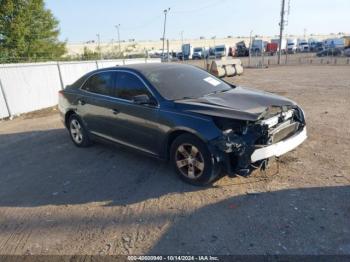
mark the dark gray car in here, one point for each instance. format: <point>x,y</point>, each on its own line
<point>181,113</point>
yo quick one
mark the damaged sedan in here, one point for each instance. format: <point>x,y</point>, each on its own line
<point>204,126</point>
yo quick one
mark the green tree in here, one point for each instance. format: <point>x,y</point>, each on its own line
<point>90,55</point>
<point>28,32</point>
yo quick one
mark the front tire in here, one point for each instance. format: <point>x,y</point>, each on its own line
<point>192,160</point>
<point>78,132</point>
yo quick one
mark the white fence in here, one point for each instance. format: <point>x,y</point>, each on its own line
<point>29,87</point>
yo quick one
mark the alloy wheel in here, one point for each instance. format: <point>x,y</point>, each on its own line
<point>76,131</point>
<point>190,161</point>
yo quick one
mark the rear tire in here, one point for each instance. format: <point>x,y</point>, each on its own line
<point>193,161</point>
<point>78,132</point>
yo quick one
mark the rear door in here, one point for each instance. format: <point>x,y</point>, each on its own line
<point>96,105</point>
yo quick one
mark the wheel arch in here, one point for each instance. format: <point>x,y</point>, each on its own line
<point>67,115</point>
<point>173,134</point>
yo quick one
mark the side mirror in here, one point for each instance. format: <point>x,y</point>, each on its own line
<point>143,100</point>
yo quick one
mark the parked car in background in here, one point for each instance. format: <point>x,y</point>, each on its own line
<point>319,46</point>
<point>201,124</point>
<point>179,55</point>
<point>330,52</point>
<point>155,53</point>
<point>168,57</point>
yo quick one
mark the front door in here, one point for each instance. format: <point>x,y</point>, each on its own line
<point>137,124</point>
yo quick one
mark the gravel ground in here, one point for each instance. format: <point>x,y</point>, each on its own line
<point>59,199</point>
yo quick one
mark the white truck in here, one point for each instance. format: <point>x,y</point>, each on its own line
<point>291,46</point>
<point>258,47</point>
<point>303,46</point>
<point>199,53</point>
<point>221,51</point>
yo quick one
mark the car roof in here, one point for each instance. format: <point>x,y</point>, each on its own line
<point>144,67</point>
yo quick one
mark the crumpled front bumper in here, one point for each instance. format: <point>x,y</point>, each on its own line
<point>279,148</point>
<point>240,154</point>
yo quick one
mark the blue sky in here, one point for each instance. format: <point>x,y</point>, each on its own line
<point>81,20</point>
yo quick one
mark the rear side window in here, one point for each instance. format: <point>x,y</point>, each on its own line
<point>101,83</point>
<point>128,85</point>
<point>78,83</point>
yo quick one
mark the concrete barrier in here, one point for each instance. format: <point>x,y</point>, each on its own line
<point>226,67</point>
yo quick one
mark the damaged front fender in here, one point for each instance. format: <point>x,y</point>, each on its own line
<point>234,150</point>
<point>236,146</point>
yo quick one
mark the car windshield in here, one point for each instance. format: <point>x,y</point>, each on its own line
<point>175,82</point>
<point>197,50</point>
<point>219,49</point>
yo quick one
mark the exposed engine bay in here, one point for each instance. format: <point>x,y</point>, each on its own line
<point>241,139</point>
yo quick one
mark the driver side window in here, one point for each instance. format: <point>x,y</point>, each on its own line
<point>128,86</point>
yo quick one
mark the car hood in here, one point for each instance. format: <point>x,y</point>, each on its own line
<point>239,103</point>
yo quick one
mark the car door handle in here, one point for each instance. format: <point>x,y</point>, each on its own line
<point>115,111</point>
<point>81,102</point>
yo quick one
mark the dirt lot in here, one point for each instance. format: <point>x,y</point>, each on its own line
<point>58,199</point>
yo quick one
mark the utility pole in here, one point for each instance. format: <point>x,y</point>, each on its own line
<point>182,44</point>
<point>250,46</point>
<point>99,45</point>
<point>167,47</point>
<point>281,32</point>
<point>117,26</point>
<point>165,15</point>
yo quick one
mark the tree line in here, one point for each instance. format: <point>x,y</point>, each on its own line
<point>28,32</point>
